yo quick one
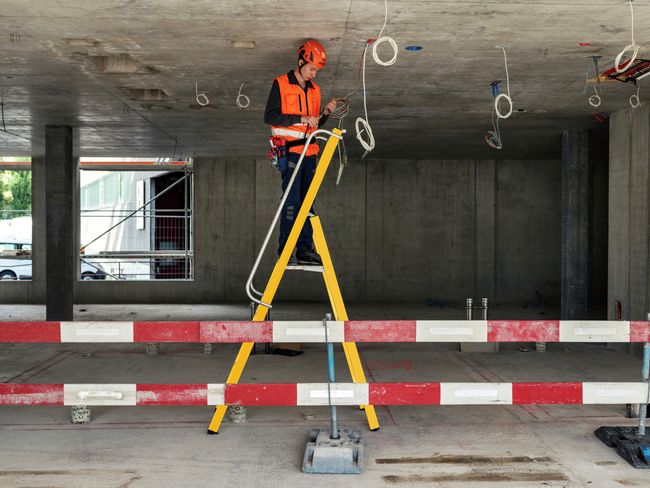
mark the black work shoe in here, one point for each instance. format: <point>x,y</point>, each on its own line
<point>292,261</point>
<point>309,258</point>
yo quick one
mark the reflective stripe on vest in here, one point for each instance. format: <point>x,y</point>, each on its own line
<point>296,101</point>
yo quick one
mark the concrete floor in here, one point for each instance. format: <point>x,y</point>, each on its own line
<point>517,446</point>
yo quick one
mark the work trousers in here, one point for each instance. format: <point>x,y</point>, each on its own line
<point>294,201</point>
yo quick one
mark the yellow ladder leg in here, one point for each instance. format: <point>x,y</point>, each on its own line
<point>278,271</point>
<point>334,292</point>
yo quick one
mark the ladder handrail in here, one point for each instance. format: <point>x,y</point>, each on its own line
<point>250,289</point>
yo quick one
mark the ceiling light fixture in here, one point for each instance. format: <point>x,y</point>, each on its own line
<point>413,48</point>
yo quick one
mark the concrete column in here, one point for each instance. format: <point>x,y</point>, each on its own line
<point>618,289</point>
<point>61,243</point>
<point>629,214</point>
<point>575,224</point>
<point>38,230</point>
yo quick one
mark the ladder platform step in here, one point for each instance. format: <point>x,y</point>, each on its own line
<point>306,267</point>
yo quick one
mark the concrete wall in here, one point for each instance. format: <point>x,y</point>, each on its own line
<point>397,230</point>
<point>629,213</point>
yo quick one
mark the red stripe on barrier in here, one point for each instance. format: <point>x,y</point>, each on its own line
<point>236,332</point>
<point>380,331</point>
<point>546,393</point>
<point>149,394</point>
<point>166,332</point>
<point>31,394</point>
<point>30,332</point>
<point>267,395</point>
<point>404,393</point>
<point>523,331</point>
<point>639,331</point>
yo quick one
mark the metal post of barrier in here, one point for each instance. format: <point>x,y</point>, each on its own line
<point>484,307</point>
<point>643,407</point>
<point>334,430</point>
<point>468,308</point>
<point>151,349</point>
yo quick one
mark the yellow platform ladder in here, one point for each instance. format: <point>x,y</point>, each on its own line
<point>265,299</point>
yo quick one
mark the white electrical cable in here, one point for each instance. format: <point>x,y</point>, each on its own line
<point>201,98</point>
<point>634,47</point>
<point>635,101</point>
<point>381,40</point>
<point>504,96</point>
<point>493,137</point>
<point>595,100</point>
<point>246,101</point>
<point>361,124</point>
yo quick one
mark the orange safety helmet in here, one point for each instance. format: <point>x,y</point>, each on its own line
<point>314,53</point>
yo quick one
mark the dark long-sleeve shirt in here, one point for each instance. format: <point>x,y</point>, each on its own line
<point>273,114</point>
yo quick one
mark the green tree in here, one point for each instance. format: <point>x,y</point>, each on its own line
<point>15,193</point>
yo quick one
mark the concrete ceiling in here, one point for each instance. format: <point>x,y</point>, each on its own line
<point>85,63</point>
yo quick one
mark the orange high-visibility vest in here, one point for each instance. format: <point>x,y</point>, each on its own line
<point>296,101</point>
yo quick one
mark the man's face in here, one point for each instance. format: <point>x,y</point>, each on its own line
<point>309,72</point>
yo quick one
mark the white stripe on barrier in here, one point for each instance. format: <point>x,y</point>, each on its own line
<point>614,393</point>
<point>341,393</point>
<point>310,331</point>
<point>475,393</point>
<point>451,331</point>
<point>594,331</point>
<point>216,393</point>
<point>92,332</point>
<point>99,394</point>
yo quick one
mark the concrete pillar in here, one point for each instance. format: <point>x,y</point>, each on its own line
<point>629,214</point>
<point>38,230</point>
<point>575,224</point>
<point>61,243</point>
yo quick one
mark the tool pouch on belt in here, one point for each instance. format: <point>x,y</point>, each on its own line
<point>279,154</point>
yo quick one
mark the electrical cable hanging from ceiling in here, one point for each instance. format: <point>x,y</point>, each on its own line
<point>343,104</point>
<point>240,96</point>
<point>504,96</point>
<point>633,47</point>
<point>635,101</point>
<point>594,100</point>
<point>493,137</point>
<point>201,98</point>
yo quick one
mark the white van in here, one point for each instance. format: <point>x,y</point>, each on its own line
<point>16,236</point>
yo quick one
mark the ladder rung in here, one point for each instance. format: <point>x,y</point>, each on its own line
<point>306,267</point>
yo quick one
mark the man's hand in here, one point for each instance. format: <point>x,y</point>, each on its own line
<point>330,107</point>
<point>310,120</point>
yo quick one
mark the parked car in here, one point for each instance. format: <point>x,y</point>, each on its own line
<point>15,236</point>
<point>21,269</point>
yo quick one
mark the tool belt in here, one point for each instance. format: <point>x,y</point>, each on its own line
<point>278,154</point>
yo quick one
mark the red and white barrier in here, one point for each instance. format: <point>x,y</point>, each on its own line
<point>338,331</point>
<point>315,394</point>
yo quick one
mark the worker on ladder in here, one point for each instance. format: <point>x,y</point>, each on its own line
<point>293,112</point>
